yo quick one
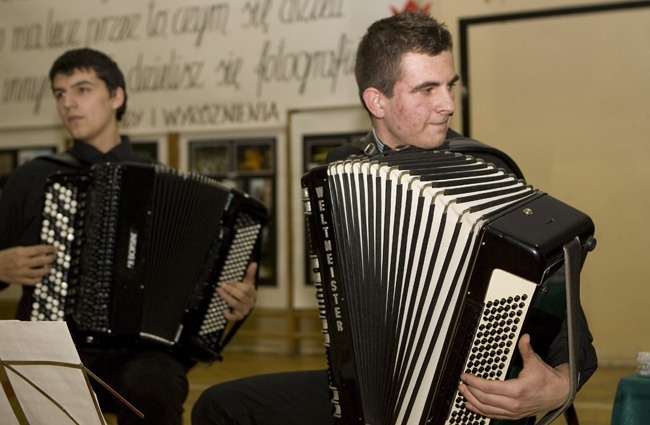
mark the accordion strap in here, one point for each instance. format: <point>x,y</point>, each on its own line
<point>473,147</point>
<point>455,143</point>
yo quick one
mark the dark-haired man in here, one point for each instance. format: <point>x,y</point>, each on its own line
<point>90,94</point>
<point>405,74</point>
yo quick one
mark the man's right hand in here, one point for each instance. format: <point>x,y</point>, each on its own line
<point>26,265</point>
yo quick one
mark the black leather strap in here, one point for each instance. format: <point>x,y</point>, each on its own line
<point>469,146</point>
<point>455,143</point>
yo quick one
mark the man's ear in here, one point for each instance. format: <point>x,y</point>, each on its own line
<point>118,98</point>
<point>372,98</point>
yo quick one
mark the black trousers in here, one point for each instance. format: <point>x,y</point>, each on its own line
<point>293,398</point>
<point>151,380</point>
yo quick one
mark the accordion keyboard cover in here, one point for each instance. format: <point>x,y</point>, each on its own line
<point>428,264</point>
<point>141,249</point>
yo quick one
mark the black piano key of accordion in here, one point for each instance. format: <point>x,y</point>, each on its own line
<point>93,311</point>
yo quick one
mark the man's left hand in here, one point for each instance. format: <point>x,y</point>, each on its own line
<point>240,296</point>
<point>538,388</point>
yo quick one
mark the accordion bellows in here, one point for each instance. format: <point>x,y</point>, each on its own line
<point>140,251</point>
<point>428,264</point>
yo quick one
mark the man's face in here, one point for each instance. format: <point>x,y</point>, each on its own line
<point>85,105</point>
<point>419,112</point>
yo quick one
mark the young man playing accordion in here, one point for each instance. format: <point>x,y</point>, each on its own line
<point>406,76</point>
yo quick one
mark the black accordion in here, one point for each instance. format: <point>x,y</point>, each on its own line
<point>428,264</point>
<point>141,249</point>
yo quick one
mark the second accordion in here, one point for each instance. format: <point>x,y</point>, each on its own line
<point>429,264</point>
<point>141,249</point>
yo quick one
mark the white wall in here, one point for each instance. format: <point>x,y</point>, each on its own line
<point>189,65</point>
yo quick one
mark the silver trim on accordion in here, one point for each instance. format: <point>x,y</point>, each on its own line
<point>427,264</point>
<point>141,249</point>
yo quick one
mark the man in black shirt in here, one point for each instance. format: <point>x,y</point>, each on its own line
<point>90,95</point>
<point>406,76</point>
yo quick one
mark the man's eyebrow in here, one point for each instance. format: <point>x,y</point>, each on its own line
<point>435,83</point>
<point>77,84</point>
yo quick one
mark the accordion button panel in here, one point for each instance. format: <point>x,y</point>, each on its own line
<point>505,306</point>
<point>60,208</point>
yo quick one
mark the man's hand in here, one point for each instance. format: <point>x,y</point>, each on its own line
<point>538,388</point>
<point>26,265</point>
<point>240,296</point>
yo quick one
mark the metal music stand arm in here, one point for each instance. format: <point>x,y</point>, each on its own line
<point>572,257</point>
<point>20,415</point>
<point>115,394</point>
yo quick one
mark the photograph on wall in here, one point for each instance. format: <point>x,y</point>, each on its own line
<point>255,157</point>
<point>210,159</point>
<point>316,148</point>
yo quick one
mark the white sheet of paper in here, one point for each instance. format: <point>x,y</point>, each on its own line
<point>45,342</point>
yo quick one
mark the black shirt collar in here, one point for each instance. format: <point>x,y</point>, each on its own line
<point>89,154</point>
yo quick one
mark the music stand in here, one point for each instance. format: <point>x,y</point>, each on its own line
<point>42,377</point>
